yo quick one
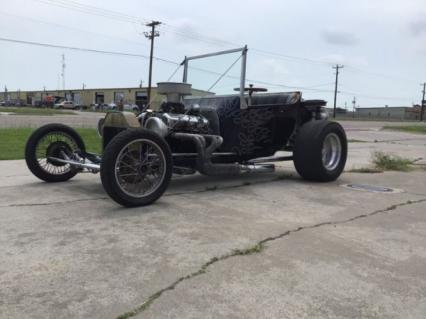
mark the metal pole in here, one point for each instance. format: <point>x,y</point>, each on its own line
<point>185,70</point>
<point>151,35</point>
<point>63,71</point>
<point>337,67</point>
<point>243,103</point>
<point>208,55</point>
<point>423,105</point>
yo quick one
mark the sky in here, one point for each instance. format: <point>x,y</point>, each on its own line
<point>292,45</point>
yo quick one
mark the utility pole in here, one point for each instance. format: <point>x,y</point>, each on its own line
<point>151,36</point>
<point>63,72</point>
<point>337,67</point>
<point>43,94</point>
<point>353,106</point>
<point>423,104</point>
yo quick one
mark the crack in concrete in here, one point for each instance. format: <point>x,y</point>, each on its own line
<point>207,189</point>
<point>54,203</point>
<point>257,248</point>
<point>224,187</point>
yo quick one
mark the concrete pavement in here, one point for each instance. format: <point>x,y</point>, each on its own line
<point>256,246</point>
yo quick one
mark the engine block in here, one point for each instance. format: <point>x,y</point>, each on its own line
<point>163,123</point>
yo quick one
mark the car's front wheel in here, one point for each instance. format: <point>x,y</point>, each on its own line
<point>48,142</point>
<point>320,151</point>
<point>136,167</point>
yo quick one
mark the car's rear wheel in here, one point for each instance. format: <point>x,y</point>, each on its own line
<point>52,141</point>
<point>320,151</point>
<point>136,167</point>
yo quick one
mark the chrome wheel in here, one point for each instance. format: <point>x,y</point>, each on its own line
<point>331,151</point>
<point>140,168</point>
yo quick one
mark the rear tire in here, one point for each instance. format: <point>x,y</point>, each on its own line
<point>47,141</point>
<point>320,151</point>
<point>136,158</point>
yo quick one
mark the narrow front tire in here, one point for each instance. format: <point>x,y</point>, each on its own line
<point>136,167</point>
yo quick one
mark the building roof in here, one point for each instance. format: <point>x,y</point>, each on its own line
<point>94,89</point>
<point>385,108</point>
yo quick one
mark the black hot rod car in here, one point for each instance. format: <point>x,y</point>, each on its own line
<point>212,135</point>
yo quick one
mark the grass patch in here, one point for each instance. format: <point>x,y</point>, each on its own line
<point>419,129</point>
<point>34,111</point>
<point>13,140</point>
<point>387,162</point>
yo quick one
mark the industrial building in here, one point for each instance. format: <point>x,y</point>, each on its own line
<point>389,113</point>
<point>86,97</point>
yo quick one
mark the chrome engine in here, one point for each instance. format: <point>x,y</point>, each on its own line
<point>164,123</point>
<point>172,116</point>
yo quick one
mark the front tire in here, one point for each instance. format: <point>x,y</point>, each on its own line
<point>320,151</point>
<point>49,141</point>
<point>136,167</point>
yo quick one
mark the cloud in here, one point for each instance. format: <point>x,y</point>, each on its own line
<point>339,38</point>
<point>418,27</point>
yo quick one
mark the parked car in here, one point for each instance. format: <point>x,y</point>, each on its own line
<point>131,107</point>
<point>65,105</point>
<point>98,106</point>
<point>111,106</point>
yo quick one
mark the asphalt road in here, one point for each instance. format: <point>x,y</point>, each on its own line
<point>256,246</point>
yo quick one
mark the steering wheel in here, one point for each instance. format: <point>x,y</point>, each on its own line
<point>252,89</point>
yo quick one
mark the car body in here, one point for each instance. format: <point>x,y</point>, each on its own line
<point>213,135</point>
<point>111,106</point>
<point>65,105</point>
<point>130,107</point>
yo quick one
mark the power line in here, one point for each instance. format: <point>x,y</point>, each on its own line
<point>134,55</point>
<point>56,46</point>
<point>70,28</point>
<point>73,5</point>
<point>373,97</point>
<point>352,68</point>
<point>88,9</point>
<point>111,14</point>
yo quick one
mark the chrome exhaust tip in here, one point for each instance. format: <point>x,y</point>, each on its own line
<point>257,168</point>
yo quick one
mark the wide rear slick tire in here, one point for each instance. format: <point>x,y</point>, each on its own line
<point>320,151</point>
<point>133,159</point>
<point>33,162</point>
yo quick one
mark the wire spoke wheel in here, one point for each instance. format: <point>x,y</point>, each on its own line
<point>48,142</point>
<point>136,167</point>
<point>140,168</point>
<point>331,151</point>
<point>52,145</point>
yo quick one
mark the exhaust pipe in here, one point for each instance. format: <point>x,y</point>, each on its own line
<point>257,168</point>
<point>204,155</point>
